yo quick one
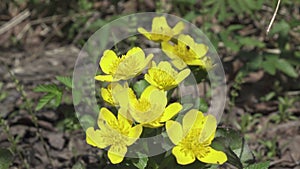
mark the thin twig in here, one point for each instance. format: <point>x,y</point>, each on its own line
<point>273,17</point>
<point>14,21</point>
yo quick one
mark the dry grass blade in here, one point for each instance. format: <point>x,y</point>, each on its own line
<point>14,21</point>
<point>274,16</point>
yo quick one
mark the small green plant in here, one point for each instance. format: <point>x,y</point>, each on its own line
<point>54,93</point>
<point>284,113</point>
<point>270,148</point>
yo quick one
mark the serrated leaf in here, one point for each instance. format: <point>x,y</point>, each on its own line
<point>262,165</point>
<point>49,88</point>
<point>67,81</point>
<point>286,68</point>
<point>44,100</point>
<point>58,99</point>
<point>6,158</point>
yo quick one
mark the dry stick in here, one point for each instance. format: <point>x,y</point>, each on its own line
<point>14,21</point>
<point>274,15</point>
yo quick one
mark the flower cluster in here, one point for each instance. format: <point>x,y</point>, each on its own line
<point>152,108</point>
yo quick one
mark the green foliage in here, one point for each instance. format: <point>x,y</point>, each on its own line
<point>142,162</point>
<point>262,165</point>
<point>285,103</point>
<point>53,92</point>
<point>235,147</point>
<point>6,158</point>
<point>67,81</point>
<point>140,86</point>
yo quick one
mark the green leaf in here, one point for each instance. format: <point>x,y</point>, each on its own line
<point>58,99</point>
<point>142,161</point>
<point>49,88</point>
<point>6,158</point>
<point>67,81</point>
<point>262,165</point>
<point>44,100</point>
<point>286,68</point>
<point>78,165</point>
<point>248,41</point>
<point>281,27</point>
<point>203,106</point>
<point>140,86</point>
<point>235,147</point>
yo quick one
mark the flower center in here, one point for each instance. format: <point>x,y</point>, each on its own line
<point>162,77</point>
<point>185,52</point>
<point>142,105</point>
<point>191,143</point>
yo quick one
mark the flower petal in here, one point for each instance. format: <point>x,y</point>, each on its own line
<point>94,138</point>
<point>159,23</point>
<point>148,91</point>
<point>183,157</point>
<point>182,75</point>
<point>134,134</point>
<point>116,153</point>
<point>208,129</point>
<point>109,57</point>
<point>105,78</point>
<point>107,96</point>
<point>201,49</point>
<point>137,52</point>
<point>179,64</point>
<point>144,32</point>
<point>192,118</point>
<point>174,131</point>
<point>213,157</point>
<point>108,117</point>
<point>170,111</point>
<point>178,28</point>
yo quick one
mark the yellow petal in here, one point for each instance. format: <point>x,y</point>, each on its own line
<point>148,91</point>
<point>144,32</point>
<point>179,64</point>
<point>104,78</point>
<point>182,75</point>
<point>108,59</point>
<point>182,157</point>
<point>116,153</point>
<point>137,52</point>
<point>195,62</point>
<point>174,131</point>
<point>208,128</point>
<point>169,49</point>
<point>94,138</point>
<point>213,157</point>
<point>178,28</point>
<point>153,124</point>
<point>134,134</point>
<point>108,117</point>
<point>201,50</point>
<point>147,60</point>
<point>191,118</point>
<point>107,96</point>
<point>158,24</point>
<point>170,111</point>
<point>149,79</point>
<point>124,122</point>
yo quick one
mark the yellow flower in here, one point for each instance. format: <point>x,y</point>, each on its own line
<point>161,31</point>
<point>192,140</point>
<point>150,109</point>
<point>188,52</point>
<point>113,132</point>
<point>164,77</point>
<point>110,94</point>
<point>125,67</point>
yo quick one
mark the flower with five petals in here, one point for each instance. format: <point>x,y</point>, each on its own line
<point>192,140</point>
<point>113,132</point>
<point>124,67</point>
<point>161,31</point>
